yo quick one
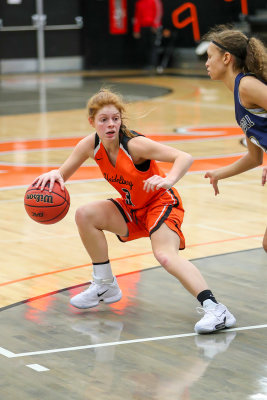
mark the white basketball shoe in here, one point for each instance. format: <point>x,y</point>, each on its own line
<point>91,297</point>
<point>215,318</point>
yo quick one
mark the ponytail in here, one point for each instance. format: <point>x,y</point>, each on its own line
<point>250,53</point>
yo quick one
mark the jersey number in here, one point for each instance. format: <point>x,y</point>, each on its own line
<point>127,197</point>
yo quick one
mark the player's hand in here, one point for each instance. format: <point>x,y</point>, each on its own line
<point>213,181</point>
<point>156,182</point>
<point>52,177</point>
<point>264,176</point>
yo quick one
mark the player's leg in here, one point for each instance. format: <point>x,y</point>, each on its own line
<point>264,242</point>
<point>92,219</point>
<point>165,244</point>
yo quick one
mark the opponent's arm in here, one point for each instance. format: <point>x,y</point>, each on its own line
<point>252,159</point>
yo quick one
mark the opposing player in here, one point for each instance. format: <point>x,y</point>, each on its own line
<point>241,64</point>
<point>148,206</point>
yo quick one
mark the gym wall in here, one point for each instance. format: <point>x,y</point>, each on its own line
<point>99,44</point>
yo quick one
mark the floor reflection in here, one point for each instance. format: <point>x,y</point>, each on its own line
<point>140,348</point>
<point>40,94</point>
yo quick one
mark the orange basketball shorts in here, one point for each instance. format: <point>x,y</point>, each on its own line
<point>144,221</point>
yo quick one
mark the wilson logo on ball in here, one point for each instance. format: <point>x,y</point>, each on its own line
<point>40,197</point>
<point>47,207</point>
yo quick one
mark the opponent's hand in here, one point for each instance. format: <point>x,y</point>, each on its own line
<point>213,181</point>
<point>156,182</point>
<point>52,177</point>
<point>264,176</point>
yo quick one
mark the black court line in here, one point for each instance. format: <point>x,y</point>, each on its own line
<point>127,273</point>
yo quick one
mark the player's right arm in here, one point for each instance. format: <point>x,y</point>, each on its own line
<point>253,158</point>
<point>81,152</point>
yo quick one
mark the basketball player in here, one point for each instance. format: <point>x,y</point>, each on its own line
<point>148,206</point>
<point>241,64</point>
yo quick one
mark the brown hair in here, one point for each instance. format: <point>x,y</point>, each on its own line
<point>250,53</point>
<point>106,97</point>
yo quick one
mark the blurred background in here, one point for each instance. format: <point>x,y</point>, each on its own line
<point>55,35</point>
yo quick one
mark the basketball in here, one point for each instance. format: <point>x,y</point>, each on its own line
<point>47,207</point>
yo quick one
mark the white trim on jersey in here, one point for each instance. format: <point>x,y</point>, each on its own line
<point>172,196</point>
<point>260,112</point>
<point>97,148</point>
<point>125,151</point>
<point>124,210</point>
<point>255,141</point>
<point>157,220</point>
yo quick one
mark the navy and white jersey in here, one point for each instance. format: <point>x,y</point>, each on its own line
<point>253,121</point>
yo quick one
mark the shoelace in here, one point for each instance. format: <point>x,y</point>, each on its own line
<point>202,310</point>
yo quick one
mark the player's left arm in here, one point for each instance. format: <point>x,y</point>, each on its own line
<point>142,148</point>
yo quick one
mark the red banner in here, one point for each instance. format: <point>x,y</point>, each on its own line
<point>117,17</point>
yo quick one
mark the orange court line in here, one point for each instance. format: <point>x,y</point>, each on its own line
<point>42,144</point>
<point>24,175</point>
<point>17,175</point>
<point>121,258</point>
<point>217,162</point>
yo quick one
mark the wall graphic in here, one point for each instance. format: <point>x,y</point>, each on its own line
<point>117,17</point>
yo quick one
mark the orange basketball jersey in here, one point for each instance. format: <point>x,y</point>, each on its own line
<point>128,178</point>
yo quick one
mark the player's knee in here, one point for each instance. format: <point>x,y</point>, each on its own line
<point>162,257</point>
<point>82,214</point>
<point>264,244</point>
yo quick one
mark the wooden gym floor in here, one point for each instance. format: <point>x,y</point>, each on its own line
<point>142,347</point>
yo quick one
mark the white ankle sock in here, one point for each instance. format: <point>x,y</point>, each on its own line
<point>103,271</point>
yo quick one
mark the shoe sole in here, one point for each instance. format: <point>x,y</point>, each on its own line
<point>113,299</point>
<point>231,321</point>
